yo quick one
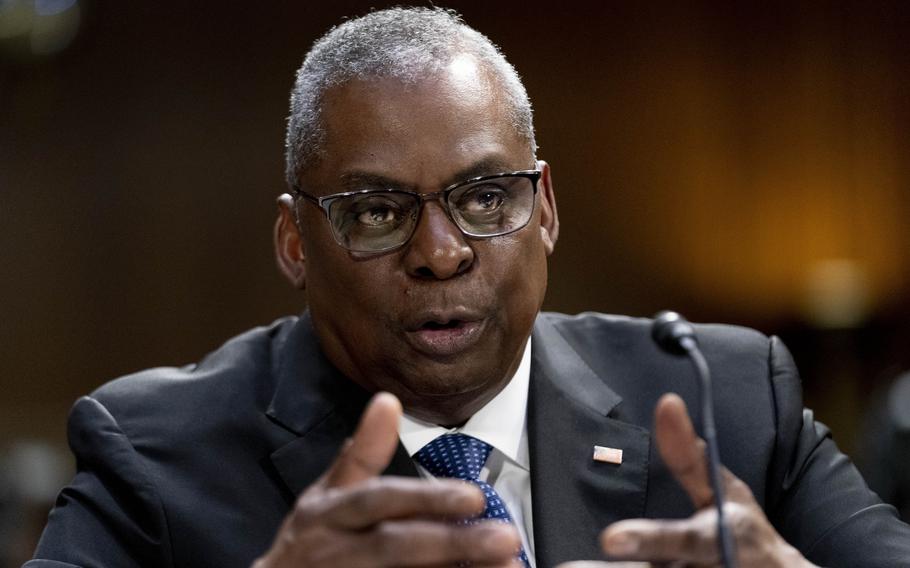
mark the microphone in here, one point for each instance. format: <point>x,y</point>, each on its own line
<point>676,336</point>
<point>673,333</point>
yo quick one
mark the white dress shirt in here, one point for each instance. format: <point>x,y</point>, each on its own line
<point>500,423</point>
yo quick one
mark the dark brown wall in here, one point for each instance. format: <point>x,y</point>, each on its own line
<point>707,157</point>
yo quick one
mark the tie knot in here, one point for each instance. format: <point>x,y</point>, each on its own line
<point>454,455</point>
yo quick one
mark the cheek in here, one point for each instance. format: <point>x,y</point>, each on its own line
<point>517,272</point>
<point>353,292</point>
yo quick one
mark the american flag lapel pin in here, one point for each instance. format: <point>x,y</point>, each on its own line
<point>608,455</point>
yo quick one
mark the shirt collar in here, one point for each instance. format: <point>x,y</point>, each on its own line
<point>500,423</point>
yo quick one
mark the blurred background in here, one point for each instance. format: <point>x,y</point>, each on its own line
<point>737,162</point>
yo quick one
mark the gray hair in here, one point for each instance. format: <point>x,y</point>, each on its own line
<point>400,43</point>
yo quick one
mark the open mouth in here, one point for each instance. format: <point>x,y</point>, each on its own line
<point>436,326</point>
<point>445,337</point>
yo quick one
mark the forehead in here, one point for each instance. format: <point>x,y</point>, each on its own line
<point>420,133</point>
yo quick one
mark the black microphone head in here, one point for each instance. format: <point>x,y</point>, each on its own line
<point>669,330</point>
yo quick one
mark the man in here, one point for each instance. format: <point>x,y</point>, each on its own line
<point>418,229</point>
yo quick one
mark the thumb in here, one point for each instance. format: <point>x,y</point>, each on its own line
<point>368,452</point>
<point>681,449</point>
<point>599,564</point>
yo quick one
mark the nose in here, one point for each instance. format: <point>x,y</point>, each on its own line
<point>437,249</point>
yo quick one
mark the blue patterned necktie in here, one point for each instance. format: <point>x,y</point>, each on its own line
<point>462,457</point>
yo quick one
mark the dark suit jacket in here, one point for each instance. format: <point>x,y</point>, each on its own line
<point>886,444</point>
<point>197,466</point>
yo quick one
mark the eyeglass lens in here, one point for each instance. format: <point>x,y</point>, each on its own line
<point>383,220</point>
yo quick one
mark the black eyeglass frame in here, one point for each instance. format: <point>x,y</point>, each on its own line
<point>324,203</point>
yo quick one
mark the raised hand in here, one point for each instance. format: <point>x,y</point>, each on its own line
<point>693,541</point>
<point>353,517</point>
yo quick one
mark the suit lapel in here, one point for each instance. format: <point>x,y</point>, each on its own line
<point>317,404</point>
<point>569,412</point>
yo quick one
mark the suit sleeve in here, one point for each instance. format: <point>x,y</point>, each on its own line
<point>110,514</point>
<point>820,503</point>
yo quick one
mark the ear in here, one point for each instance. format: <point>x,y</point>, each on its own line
<point>549,219</point>
<point>289,253</point>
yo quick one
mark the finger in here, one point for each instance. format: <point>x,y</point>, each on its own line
<point>689,540</point>
<point>596,564</point>
<point>735,489</point>
<point>428,543</point>
<point>511,563</point>
<point>388,498</point>
<point>681,449</point>
<point>372,446</point>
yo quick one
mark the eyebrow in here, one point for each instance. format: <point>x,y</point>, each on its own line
<point>485,167</point>
<point>366,180</point>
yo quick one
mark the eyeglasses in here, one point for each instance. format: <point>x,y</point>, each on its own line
<point>379,220</point>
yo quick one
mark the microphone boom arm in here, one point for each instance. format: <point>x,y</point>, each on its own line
<point>712,453</point>
<point>675,335</point>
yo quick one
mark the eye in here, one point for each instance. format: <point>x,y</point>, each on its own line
<point>482,199</point>
<point>376,216</point>
<point>376,211</point>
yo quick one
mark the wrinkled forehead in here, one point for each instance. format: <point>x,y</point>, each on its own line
<point>462,86</point>
<point>445,120</point>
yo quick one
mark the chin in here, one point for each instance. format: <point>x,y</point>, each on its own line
<point>445,386</point>
<point>445,410</point>
<point>444,400</point>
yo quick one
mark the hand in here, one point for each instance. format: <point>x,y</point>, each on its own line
<point>693,541</point>
<point>352,517</point>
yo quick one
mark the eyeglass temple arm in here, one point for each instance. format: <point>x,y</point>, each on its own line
<point>297,191</point>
